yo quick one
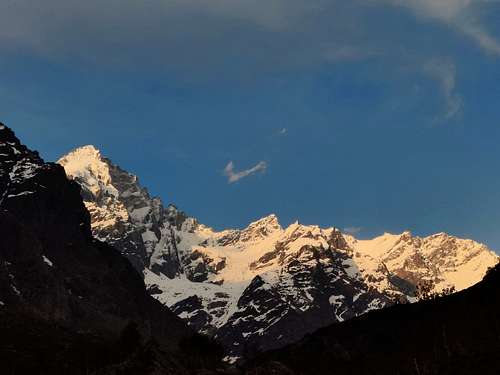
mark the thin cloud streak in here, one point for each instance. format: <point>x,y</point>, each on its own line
<point>485,40</point>
<point>234,176</point>
<point>444,73</point>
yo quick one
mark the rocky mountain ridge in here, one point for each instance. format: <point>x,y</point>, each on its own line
<point>263,286</point>
<point>454,335</point>
<point>70,303</point>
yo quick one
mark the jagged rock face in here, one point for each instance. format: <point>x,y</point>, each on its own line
<point>263,286</point>
<point>61,289</point>
<point>456,334</point>
<point>305,282</point>
<point>123,214</point>
<point>402,261</point>
<point>278,284</point>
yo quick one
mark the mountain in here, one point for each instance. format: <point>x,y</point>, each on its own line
<point>70,303</point>
<point>455,335</point>
<point>264,286</point>
<point>444,259</point>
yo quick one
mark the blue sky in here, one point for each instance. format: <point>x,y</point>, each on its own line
<point>374,115</point>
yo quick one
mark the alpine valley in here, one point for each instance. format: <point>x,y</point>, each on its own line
<point>264,286</point>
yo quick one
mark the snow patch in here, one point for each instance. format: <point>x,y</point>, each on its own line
<point>139,214</point>
<point>14,288</point>
<point>20,194</point>
<point>23,170</point>
<point>47,261</point>
<point>230,359</point>
<point>337,302</point>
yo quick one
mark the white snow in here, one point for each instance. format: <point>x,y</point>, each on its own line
<point>351,268</point>
<point>139,214</point>
<point>14,288</point>
<point>356,297</point>
<point>47,261</point>
<point>23,170</point>
<point>337,302</point>
<point>374,305</point>
<point>235,277</point>
<point>106,219</point>
<point>86,165</point>
<point>377,246</point>
<point>456,262</point>
<point>230,359</point>
<point>369,258</point>
<point>20,194</point>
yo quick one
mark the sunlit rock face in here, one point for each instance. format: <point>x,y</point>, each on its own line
<point>263,286</point>
<point>123,214</point>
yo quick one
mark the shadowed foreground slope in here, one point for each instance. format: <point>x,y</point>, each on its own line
<point>70,304</point>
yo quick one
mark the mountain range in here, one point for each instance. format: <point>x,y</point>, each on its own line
<point>264,286</point>
<point>97,277</point>
<point>457,334</point>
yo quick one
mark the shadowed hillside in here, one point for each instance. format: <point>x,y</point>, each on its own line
<point>70,304</point>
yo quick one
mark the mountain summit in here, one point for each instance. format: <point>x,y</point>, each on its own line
<point>123,213</point>
<point>263,286</point>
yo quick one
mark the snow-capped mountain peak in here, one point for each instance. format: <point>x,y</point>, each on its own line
<point>123,212</point>
<point>261,229</point>
<point>444,259</point>
<point>263,285</point>
<point>86,165</point>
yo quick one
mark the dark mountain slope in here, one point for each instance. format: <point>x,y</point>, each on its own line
<point>457,334</point>
<point>69,303</point>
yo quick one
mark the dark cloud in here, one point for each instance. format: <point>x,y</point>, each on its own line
<point>225,34</point>
<point>245,38</point>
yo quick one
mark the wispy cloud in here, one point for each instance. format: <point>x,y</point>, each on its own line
<point>461,15</point>
<point>234,176</point>
<point>248,39</point>
<point>443,71</point>
<point>439,9</point>
<point>187,34</point>
<point>485,40</point>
